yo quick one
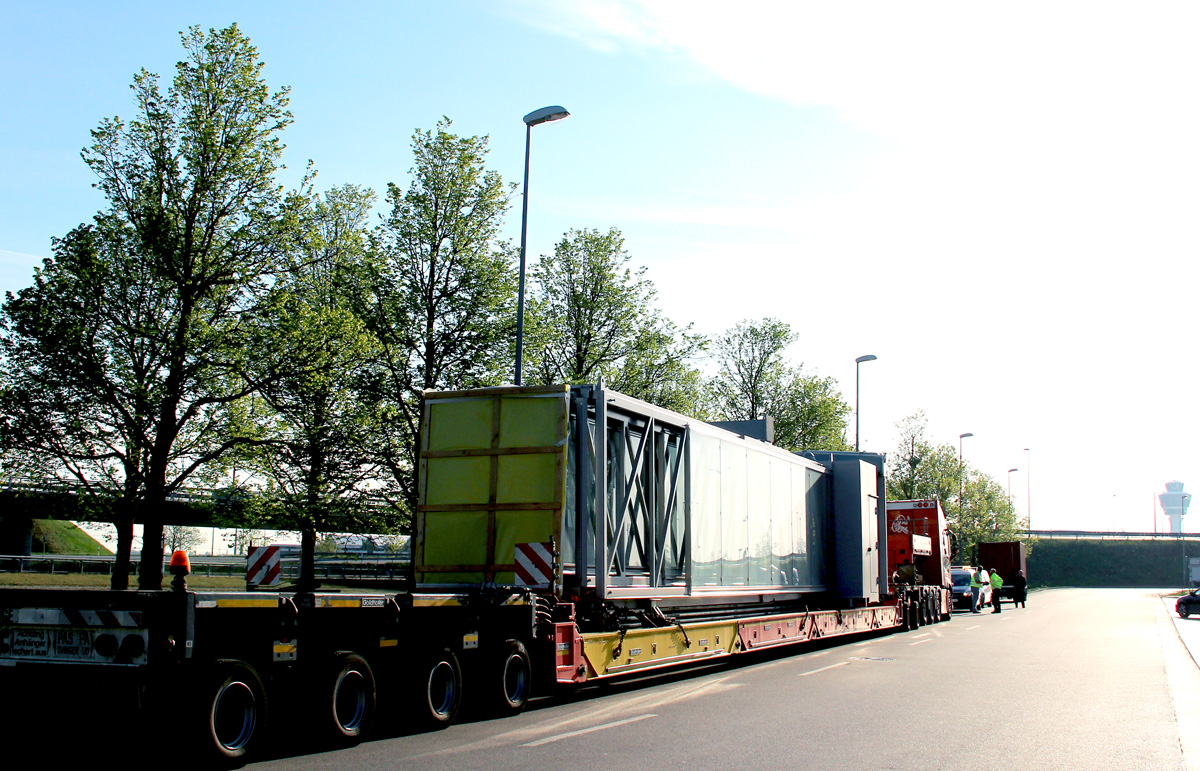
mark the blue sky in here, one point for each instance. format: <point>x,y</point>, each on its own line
<point>997,201</point>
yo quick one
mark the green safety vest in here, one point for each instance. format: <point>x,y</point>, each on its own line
<point>997,581</point>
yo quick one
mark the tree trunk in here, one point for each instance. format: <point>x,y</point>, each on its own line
<point>308,568</point>
<point>150,573</point>
<point>124,524</point>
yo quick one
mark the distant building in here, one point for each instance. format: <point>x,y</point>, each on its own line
<point>1175,503</point>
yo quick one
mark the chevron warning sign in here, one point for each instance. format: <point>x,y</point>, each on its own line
<point>262,566</point>
<point>535,565</point>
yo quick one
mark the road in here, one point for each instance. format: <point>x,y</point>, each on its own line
<point>1081,679</point>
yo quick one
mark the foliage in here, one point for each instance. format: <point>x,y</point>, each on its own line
<point>122,361</point>
<point>321,442</point>
<point>443,290</point>
<point>1111,562</point>
<point>591,315</point>
<point>755,381</point>
<point>181,538</point>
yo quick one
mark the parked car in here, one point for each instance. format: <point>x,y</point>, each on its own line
<point>1188,604</point>
<point>961,576</point>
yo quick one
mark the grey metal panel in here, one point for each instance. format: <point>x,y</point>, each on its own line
<point>763,430</point>
<point>856,529</point>
<point>879,461</point>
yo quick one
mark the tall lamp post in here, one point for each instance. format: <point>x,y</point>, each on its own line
<point>960,471</point>
<point>1010,471</point>
<point>857,415</point>
<point>544,115</point>
<point>1028,493</point>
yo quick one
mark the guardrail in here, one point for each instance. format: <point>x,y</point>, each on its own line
<point>346,567</point>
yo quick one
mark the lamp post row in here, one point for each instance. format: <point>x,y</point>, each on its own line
<point>556,112</point>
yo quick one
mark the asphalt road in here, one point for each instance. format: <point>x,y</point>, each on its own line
<point>1081,679</point>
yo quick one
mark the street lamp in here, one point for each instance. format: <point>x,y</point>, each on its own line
<point>544,115</point>
<point>1028,493</point>
<point>857,416</point>
<point>1010,471</point>
<point>960,471</point>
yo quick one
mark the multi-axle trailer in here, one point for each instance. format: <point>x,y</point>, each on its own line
<point>563,535</point>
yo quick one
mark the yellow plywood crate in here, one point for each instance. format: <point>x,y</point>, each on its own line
<point>492,475</point>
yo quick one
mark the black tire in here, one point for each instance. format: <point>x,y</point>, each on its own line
<point>509,680</point>
<point>1184,612</point>
<point>439,689</point>
<point>233,713</point>
<point>348,708</point>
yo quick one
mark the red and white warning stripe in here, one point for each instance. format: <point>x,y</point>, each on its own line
<point>262,566</point>
<point>535,565</point>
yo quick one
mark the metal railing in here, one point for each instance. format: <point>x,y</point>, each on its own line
<point>338,566</point>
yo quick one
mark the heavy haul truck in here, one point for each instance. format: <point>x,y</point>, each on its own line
<point>918,544</point>
<point>563,535</point>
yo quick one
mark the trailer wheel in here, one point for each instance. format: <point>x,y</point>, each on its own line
<point>439,690</point>
<point>234,710</point>
<point>509,678</point>
<point>350,705</point>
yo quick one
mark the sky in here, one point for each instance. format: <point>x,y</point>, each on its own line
<point>997,200</point>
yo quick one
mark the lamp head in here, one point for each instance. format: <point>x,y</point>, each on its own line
<point>545,115</point>
<point>868,357</point>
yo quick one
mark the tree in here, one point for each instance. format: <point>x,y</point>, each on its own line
<point>442,301</point>
<point>591,315</point>
<point>755,381</point>
<point>123,359</point>
<point>920,470</point>
<point>320,452</point>
<point>178,537</point>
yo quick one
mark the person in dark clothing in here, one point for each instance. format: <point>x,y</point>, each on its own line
<point>1019,586</point>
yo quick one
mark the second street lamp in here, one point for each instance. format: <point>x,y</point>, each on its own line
<point>857,419</point>
<point>960,471</point>
<point>544,115</point>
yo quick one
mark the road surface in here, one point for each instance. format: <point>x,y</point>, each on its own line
<point>1080,679</point>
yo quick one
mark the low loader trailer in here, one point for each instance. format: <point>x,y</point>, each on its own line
<point>563,535</point>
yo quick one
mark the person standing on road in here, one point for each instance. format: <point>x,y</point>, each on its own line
<point>1020,586</point>
<point>976,587</point>
<point>997,584</point>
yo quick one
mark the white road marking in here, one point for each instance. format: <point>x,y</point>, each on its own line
<point>922,635</point>
<point>972,627</point>
<point>918,642</point>
<point>582,731</point>
<point>822,669</point>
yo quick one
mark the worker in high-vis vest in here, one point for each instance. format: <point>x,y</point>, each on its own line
<point>976,588</point>
<point>997,583</point>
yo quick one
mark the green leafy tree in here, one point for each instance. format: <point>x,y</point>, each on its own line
<point>592,315</point>
<point>920,470</point>
<point>319,453</point>
<point>982,511</point>
<point>443,292</point>
<point>755,381</point>
<point>179,537</point>
<point>123,359</point>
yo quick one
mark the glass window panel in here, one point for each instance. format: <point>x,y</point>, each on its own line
<point>706,510</point>
<point>734,525</point>
<point>781,523</point>
<point>758,516</point>
<point>817,507</point>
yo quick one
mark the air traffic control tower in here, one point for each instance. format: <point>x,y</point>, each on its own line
<point>1175,503</point>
